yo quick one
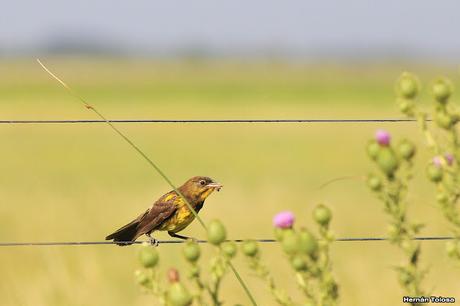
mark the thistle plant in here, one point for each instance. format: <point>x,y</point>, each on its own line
<point>205,291</point>
<point>394,164</point>
<point>308,256</point>
<point>220,262</point>
<point>192,253</point>
<point>443,169</point>
<point>252,252</point>
<point>148,278</point>
<point>177,294</point>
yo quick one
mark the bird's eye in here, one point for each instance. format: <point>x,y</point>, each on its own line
<point>202,182</point>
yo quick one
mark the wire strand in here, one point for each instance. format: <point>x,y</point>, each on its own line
<point>77,243</point>
<point>84,121</point>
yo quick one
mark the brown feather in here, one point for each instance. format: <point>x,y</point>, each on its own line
<point>127,232</point>
<point>159,213</point>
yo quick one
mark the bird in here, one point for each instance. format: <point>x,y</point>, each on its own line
<point>169,213</point>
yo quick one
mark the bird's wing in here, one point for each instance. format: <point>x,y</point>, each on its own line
<point>161,211</point>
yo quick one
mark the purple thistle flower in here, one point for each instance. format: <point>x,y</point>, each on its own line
<point>284,219</point>
<point>449,158</point>
<point>383,137</point>
<point>437,161</point>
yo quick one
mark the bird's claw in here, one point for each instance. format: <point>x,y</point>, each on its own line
<point>153,241</point>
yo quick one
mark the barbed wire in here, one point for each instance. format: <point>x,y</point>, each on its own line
<point>76,243</point>
<point>83,121</point>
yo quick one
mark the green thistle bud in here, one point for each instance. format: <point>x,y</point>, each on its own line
<point>290,242</point>
<point>434,173</point>
<point>191,251</point>
<point>443,119</point>
<point>373,149</point>
<point>408,85</point>
<point>141,278</point>
<point>178,295</point>
<point>387,161</point>
<point>406,149</point>
<point>308,244</point>
<point>442,90</point>
<point>405,106</point>
<point>250,248</point>
<point>216,232</point>
<point>229,249</point>
<point>374,183</point>
<point>148,256</point>
<point>298,263</point>
<point>322,214</point>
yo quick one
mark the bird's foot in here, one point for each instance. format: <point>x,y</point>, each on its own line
<point>153,241</point>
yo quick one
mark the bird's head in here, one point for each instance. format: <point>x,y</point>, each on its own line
<point>200,187</point>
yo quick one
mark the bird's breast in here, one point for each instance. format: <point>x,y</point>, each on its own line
<point>181,219</point>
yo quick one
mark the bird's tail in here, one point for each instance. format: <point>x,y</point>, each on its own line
<point>125,235</point>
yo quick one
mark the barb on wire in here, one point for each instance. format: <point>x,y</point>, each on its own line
<point>375,120</point>
<point>73,243</point>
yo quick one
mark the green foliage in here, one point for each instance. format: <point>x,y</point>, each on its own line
<point>308,257</point>
<point>177,294</point>
<point>443,170</point>
<point>251,250</point>
<point>390,186</point>
<point>205,290</point>
<point>148,278</point>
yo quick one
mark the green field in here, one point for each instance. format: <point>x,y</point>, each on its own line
<point>80,182</point>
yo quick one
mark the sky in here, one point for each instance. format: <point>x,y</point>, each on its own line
<point>296,28</point>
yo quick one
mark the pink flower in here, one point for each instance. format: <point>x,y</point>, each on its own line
<point>437,161</point>
<point>382,137</point>
<point>284,219</point>
<point>449,158</point>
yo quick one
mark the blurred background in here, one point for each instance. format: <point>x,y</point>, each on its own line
<point>209,60</point>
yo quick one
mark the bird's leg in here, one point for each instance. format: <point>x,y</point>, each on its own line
<point>153,241</point>
<point>172,234</point>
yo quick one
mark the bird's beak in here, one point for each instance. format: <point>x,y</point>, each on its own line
<point>216,186</point>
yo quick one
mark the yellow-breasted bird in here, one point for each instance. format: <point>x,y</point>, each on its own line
<point>169,213</point>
